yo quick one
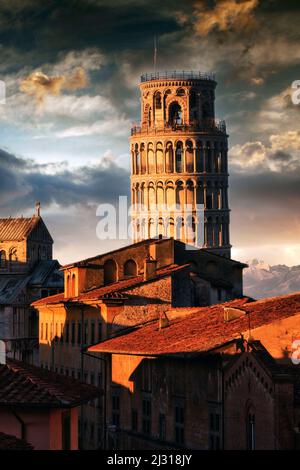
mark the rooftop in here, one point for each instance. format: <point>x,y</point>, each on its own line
<point>202,330</point>
<point>17,229</point>
<point>25,385</point>
<point>178,75</point>
<point>111,290</point>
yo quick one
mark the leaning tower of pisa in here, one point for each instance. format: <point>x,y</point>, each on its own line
<point>179,169</point>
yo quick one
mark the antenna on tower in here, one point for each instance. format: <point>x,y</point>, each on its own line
<point>155,54</point>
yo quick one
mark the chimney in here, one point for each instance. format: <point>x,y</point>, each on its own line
<point>2,352</point>
<point>149,268</point>
<point>231,313</point>
<point>163,321</point>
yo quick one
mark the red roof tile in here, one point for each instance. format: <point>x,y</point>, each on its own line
<point>8,442</point>
<point>105,291</point>
<point>25,385</point>
<point>202,330</point>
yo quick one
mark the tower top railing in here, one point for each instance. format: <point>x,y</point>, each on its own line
<point>202,125</point>
<point>178,75</point>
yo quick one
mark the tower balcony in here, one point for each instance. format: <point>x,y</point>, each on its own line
<point>202,125</point>
<point>178,75</point>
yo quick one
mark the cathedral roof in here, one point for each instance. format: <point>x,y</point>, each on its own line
<point>17,229</point>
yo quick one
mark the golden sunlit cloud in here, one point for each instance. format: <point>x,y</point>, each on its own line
<point>226,14</point>
<point>38,84</point>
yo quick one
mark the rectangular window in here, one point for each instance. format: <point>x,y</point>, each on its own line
<point>116,410</point>
<point>92,381</point>
<point>92,332</point>
<point>179,424</point>
<point>42,331</point>
<point>134,420</point>
<point>56,332</point>
<point>99,331</point>
<point>73,333</point>
<point>79,333</point>
<point>46,332</point>
<point>61,332</point>
<point>85,376</point>
<point>162,427</point>
<point>147,416</point>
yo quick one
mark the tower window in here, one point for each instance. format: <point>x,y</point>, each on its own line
<point>175,114</point>
<point>179,157</point>
<point>158,100</point>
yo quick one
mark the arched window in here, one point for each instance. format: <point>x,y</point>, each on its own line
<point>189,157</point>
<point>110,271</point>
<point>130,268</point>
<point>160,227</point>
<point>180,229</point>
<point>180,92</point>
<point>150,117</point>
<point>179,152</point>
<point>169,157</point>
<point>151,159</point>
<point>157,100</point>
<point>159,157</point>
<point>137,159</point>
<point>68,293</point>
<point>73,286</point>
<point>2,259</point>
<point>13,254</point>
<point>175,114</point>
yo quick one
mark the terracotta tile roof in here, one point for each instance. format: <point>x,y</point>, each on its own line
<point>8,442</point>
<point>109,290</point>
<point>202,330</point>
<point>16,229</point>
<point>25,385</point>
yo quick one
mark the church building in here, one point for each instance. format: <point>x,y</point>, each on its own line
<point>27,273</point>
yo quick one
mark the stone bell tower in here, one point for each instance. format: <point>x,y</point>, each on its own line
<point>179,169</point>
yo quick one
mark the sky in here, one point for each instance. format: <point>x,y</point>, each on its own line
<point>72,69</point>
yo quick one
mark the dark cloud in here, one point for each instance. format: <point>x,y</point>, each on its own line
<point>26,182</point>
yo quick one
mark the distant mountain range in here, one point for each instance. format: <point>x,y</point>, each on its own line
<point>262,280</point>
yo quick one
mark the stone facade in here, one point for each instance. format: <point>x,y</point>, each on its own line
<point>179,166</point>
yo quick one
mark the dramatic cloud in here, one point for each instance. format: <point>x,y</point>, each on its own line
<point>281,154</point>
<point>226,15</point>
<point>112,42</point>
<point>25,181</point>
<point>39,85</point>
